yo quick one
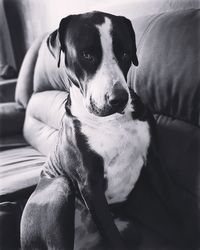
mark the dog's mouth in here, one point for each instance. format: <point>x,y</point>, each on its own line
<point>106,110</point>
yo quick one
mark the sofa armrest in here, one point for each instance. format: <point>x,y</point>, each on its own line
<point>7,90</point>
<point>11,119</point>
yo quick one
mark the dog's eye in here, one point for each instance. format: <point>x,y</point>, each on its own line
<point>87,56</point>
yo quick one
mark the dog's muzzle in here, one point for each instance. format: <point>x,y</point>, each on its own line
<point>118,99</point>
<point>115,102</point>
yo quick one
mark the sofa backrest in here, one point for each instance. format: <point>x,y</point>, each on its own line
<point>168,81</point>
<point>168,75</point>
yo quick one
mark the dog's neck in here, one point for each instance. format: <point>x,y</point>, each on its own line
<point>79,110</point>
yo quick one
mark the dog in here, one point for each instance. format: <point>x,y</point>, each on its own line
<point>105,138</point>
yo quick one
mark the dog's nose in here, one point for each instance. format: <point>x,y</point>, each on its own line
<point>118,98</point>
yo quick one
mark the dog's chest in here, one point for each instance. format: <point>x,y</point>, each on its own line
<point>123,144</point>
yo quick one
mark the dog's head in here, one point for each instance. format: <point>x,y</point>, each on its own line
<point>99,49</point>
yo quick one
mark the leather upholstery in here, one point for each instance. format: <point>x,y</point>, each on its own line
<point>180,152</point>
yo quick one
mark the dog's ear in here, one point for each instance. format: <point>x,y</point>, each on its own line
<point>55,41</point>
<point>132,35</point>
<point>54,46</point>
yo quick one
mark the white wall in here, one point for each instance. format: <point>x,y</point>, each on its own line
<point>139,7</point>
<point>129,8</point>
<point>136,8</point>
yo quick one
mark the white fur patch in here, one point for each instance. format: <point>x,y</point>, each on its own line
<point>109,73</point>
<point>123,144</point>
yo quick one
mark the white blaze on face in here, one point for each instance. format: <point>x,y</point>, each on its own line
<point>108,73</point>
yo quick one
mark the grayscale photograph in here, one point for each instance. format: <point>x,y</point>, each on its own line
<point>99,125</point>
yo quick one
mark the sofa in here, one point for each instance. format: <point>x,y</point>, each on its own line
<point>168,82</point>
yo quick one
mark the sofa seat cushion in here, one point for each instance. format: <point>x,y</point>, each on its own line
<point>19,171</point>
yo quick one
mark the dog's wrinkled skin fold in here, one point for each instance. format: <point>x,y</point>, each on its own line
<point>98,51</point>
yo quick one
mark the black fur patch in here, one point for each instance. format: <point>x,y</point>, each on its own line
<point>141,112</point>
<point>93,162</point>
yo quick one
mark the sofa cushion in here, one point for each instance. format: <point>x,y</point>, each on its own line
<point>168,81</point>
<point>19,169</point>
<point>47,75</point>
<point>43,119</point>
<point>167,78</point>
<point>180,153</point>
<point>24,88</point>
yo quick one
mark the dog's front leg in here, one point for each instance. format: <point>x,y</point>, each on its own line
<point>48,218</point>
<point>92,191</point>
<point>86,168</point>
